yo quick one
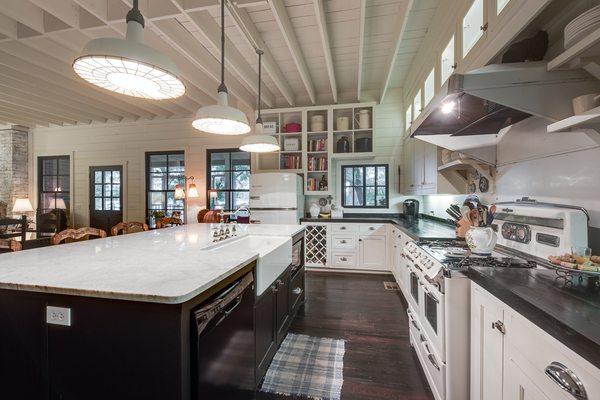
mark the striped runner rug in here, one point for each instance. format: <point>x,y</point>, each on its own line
<point>307,366</point>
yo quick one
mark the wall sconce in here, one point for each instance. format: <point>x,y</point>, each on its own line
<point>192,192</point>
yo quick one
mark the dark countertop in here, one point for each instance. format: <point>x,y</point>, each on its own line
<point>424,228</point>
<point>569,314</point>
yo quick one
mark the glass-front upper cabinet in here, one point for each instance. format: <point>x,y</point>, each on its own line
<point>408,118</point>
<point>472,26</point>
<point>429,88</point>
<point>500,4</point>
<point>447,66</point>
<point>417,105</point>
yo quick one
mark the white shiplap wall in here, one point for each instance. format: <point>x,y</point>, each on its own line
<point>126,144</point>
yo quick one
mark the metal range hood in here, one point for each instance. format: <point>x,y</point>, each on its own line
<point>480,103</point>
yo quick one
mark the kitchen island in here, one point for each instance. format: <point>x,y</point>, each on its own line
<point>127,331</point>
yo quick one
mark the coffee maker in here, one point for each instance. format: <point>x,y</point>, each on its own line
<point>411,210</point>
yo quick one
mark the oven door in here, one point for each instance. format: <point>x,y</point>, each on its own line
<point>432,315</point>
<point>413,293</point>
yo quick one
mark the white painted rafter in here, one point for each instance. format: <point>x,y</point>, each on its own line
<point>254,39</point>
<point>287,30</point>
<point>361,47</point>
<point>65,10</point>
<point>398,35</point>
<point>26,13</point>
<point>322,24</point>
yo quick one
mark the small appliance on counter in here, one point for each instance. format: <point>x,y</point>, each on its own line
<point>410,209</point>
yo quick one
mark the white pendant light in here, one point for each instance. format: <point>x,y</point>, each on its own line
<point>259,143</point>
<point>222,119</point>
<point>128,66</point>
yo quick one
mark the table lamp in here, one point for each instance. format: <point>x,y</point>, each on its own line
<point>22,206</point>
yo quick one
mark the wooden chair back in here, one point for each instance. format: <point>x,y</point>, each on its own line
<point>168,221</point>
<point>77,234</point>
<point>9,245</point>
<point>128,227</point>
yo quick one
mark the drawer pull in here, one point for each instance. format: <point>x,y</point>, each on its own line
<point>500,326</point>
<point>371,228</point>
<point>566,379</point>
<point>343,242</point>
<point>297,291</point>
<point>430,355</point>
<point>274,289</point>
<point>343,259</point>
<point>342,228</point>
<point>279,282</point>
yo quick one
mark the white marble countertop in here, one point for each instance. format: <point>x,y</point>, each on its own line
<point>170,265</point>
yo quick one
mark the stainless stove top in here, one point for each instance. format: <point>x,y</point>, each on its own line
<point>455,255</point>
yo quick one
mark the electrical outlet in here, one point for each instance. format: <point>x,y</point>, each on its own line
<point>58,316</point>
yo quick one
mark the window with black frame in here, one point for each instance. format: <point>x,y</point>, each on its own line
<point>54,181</point>
<point>228,179</point>
<point>164,170</point>
<point>365,186</point>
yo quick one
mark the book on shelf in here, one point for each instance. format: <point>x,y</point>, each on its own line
<point>315,184</point>
<point>290,161</point>
<point>317,164</point>
<point>317,145</point>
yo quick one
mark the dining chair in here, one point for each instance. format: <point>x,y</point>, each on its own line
<point>128,227</point>
<point>9,245</point>
<point>168,221</point>
<point>77,234</point>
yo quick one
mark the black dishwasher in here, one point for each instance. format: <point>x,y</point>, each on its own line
<point>223,344</point>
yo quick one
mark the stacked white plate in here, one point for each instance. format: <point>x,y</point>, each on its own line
<point>582,26</point>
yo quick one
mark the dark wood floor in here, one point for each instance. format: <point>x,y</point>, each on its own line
<point>379,363</point>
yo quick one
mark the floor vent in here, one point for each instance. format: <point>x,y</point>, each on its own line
<point>391,286</point>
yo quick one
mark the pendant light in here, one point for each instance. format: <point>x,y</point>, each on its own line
<point>259,143</point>
<point>128,66</point>
<point>221,119</point>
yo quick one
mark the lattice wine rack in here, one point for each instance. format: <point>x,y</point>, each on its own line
<point>315,254</point>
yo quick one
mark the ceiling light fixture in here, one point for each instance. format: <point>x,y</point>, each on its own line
<point>128,66</point>
<point>259,143</point>
<point>221,119</point>
<point>448,107</point>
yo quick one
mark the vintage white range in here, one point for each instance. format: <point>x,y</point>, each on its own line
<point>432,277</point>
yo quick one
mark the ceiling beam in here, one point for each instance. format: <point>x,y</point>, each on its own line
<point>62,70</point>
<point>17,98</point>
<point>64,10</point>
<point>322,24</point>
<point>361,47</point>
<point>52,49</point>
<point>188,46</point>
<point>26,83</point>
<point>13,119</point>
<point>98,8</point>
<point>32,114</point>
<point>254,39</point>
<point>45,102</point>
<point>26,13</point>
<point>287,30</point>
<point>59,82</point>
<point>403,13</point>
<point>211,31</point>
<point>9,27</point>
<point>199,5</point>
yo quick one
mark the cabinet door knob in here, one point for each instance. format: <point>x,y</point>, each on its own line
<point>297,291</point>
<point>500,326</point>
<point>566,379</point>
<point>360,240</point>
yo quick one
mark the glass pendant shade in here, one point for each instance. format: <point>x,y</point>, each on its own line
<point>221,119</point>
<point>128,66</point>
<point>179,192</point>
<point>259,143</point>
<point>193,191</point>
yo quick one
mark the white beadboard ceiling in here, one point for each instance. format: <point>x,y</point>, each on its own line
<point>316,52</point>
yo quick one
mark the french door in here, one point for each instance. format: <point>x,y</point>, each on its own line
<point>106,197</point>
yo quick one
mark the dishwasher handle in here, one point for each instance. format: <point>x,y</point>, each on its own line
<point>225,303</point>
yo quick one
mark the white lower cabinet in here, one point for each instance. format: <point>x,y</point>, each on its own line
<point>373,251</point>
<point>360,246</point>
<point>513,359</point>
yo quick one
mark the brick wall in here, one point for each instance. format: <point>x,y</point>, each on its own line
<point>14,177</point>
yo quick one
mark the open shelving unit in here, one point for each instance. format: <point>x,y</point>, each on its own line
<point>314,154</point>
<point>359,134</point>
